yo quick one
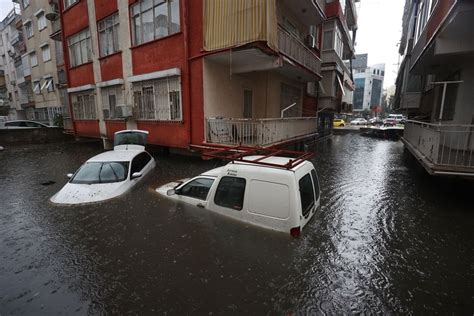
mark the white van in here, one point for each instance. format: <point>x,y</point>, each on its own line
<point>270,196</point>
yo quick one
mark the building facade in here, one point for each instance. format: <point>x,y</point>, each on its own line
<point>44,56</point>
<point>16,71</point>
<point>194,72</point>
<point>435,84</point>
<point>368,87</point>
<point>338,38</point>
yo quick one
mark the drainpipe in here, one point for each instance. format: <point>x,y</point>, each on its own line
<point>187,66</point>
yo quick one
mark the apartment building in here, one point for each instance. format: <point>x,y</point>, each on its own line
<point>435,84</point>
<point>368,87</point>
<point>338,38</point>
<point>194,72</point>
<point>44,55</point>
<point>17,80</point>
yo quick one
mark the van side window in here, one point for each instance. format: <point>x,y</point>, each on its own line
<point>198,188</point>
<point>306,194</point>
<point>230,193</point>
<point>316,184</point>
<point>139,162</point>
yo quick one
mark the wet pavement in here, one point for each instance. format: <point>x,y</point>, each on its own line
<point>388,239</point>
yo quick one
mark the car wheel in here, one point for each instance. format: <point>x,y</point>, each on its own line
<point>342,125</point>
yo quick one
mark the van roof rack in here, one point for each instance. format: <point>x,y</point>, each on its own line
<point>239,154</point>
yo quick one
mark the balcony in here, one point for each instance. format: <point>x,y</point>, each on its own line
<point>259,132</point>
<point>292,47</point>
<point>442,149</point>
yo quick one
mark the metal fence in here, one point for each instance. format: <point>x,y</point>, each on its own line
<point>258,132</point>
<point>448,145</point>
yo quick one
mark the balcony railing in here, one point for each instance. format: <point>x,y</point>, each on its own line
<point>293,48</point>
<point>448,146</point>
<point>258,132</point>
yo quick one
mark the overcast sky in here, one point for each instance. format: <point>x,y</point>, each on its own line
<point>380,25</point>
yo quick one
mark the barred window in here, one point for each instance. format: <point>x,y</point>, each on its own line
<point>158,99</point>
<point>153,19</point>
<point>80,48</point>
<point>111,98</point>
<point>83,105</point>
<point>108,35</point>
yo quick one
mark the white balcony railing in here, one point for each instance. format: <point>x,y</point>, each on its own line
<point>258,132</point>
<point>445,145</point>
<point>293,48</point>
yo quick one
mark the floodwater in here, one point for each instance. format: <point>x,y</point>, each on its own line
<point>388,239</point>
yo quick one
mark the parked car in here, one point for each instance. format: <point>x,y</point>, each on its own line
<point>394,119</point>
<point>338,123</point>
<point>359,121</point>
<point>109,174</point>
<point>273,197</point>
<point>22,124</point>
<point>375,121</point>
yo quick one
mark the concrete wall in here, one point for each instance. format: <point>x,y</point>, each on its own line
<point>32,136</point>
<point>224,92</point>
<point>464,111</point>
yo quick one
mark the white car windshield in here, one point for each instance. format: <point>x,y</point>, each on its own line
<point>101,172</point>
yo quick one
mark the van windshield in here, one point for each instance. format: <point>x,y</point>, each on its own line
<point>101,172</point>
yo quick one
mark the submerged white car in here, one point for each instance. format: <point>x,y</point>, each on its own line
<point>109,174</point>
<point>278,198</point>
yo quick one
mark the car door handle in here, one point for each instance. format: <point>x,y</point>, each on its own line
<point>200,205</point>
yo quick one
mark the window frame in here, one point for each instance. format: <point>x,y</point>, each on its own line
<point>242,198</point>
<point>136,15</point>
<point>140,160</point>
<point>109,32</point>
<point>46,48</point>
<point>41,21</point>
<point>305,212</point>
<point>106,93</point>
<point>180,189</point>
<point>69,3</point>
<point>29,29</point>
<point>75,45</point>
<point>84,106</point>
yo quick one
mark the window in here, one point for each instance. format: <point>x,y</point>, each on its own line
<point>158,99</point>
<point>46,53</point>
<point>339,47</point>
<point>33,59</point>
<point>230,193</point>
<point>68,3</point>
<point>48,84</point>
<point>80,48</point>
<point>306,194</point>
<point>101,172</point>
<point>328,39</point>
<point>153,19</point>
<point>288,96</point>
<point>83,105</point>
<point>37,87</point>
<point>41,21</point>
<point>315,184</point>
<point>198,188</point>
<point>111,97</point>
<point>28,29</point>
<point>139,162</point>
<point>108,35</point>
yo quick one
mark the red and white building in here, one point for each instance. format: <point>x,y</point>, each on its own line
<point>195,71</point>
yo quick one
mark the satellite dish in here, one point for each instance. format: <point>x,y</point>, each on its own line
<point>52,15</point>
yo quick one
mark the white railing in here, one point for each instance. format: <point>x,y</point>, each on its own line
<point>446,145</point>
<point>258,132</point>
<point>293,48</point>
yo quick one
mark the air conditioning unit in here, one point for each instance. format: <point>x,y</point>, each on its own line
<point>124,110</point>
<point>311,41</point>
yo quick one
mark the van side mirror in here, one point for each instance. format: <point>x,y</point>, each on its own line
<point>136,175</point>
<point>69,175</point>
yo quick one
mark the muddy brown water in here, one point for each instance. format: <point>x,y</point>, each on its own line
<point>388,239</point>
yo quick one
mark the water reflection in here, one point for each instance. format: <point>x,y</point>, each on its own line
<point>388,239</point>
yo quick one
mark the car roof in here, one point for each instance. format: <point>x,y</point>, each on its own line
<point>115,155</point>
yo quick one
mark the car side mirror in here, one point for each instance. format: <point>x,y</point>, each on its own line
<point>69,175</point>
<point>136,175</point>
<point>171,192</point>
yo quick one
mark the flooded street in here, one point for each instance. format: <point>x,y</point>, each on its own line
<point>388,239</point>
